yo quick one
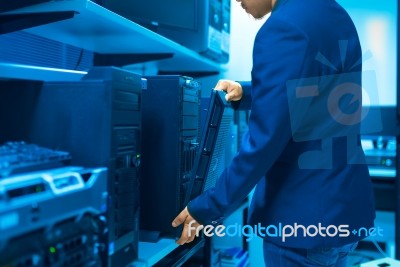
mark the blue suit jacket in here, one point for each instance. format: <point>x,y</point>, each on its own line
<point>302,150</point>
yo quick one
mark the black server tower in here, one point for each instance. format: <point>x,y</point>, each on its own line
<point>97,120</point>
<point>170,134</point>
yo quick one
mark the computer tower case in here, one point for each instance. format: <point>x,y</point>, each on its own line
<point>170,129</point>
<point>97,120</point>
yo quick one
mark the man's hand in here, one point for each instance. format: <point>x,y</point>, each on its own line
<point>233,89</point>
<point>190,226</point>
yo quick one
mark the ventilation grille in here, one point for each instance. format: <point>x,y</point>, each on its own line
<point>29,49</point>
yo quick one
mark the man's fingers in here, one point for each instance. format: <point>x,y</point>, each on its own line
<point>233,89</point>
<point>180,218</point>
<point>188,233</point>
<point>222,85</point>
<point>233,96</point>
<point>184,236</point>
<point>191,237</point>
<point>230,96</point>
<point>189,224</point>
<point>194,230</point>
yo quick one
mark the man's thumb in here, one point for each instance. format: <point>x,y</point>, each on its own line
<point>179,219</point>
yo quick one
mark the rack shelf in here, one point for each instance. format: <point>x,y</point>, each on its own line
<point>26,72</point>
<point>97,29</point>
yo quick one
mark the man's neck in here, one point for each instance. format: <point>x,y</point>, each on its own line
<point>273,3</point>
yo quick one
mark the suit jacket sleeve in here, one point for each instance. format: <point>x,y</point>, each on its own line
<point>279,52</point>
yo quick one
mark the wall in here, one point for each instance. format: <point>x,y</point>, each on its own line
<point>243,31</point>
<point>377,27</point>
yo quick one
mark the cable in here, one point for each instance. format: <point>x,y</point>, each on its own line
<point>379,248</point>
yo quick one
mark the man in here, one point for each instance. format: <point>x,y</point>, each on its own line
<point>304,159</point>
